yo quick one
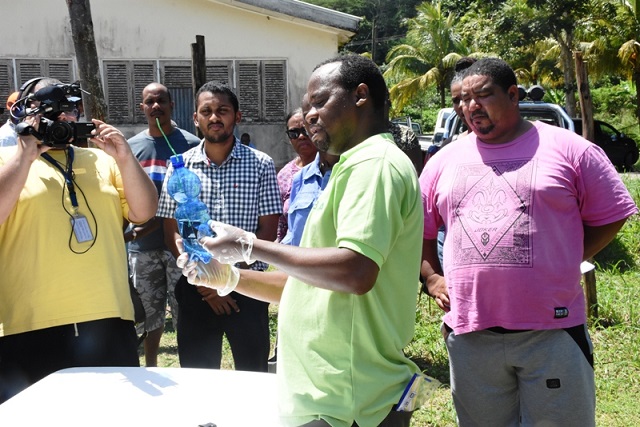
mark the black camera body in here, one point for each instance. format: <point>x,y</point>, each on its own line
<point>54,100</point>
<point>57,134</point>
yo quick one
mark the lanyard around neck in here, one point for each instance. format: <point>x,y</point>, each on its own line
<point>67,174</point>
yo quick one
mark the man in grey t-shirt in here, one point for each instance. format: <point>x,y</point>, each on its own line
<point>152,266</point>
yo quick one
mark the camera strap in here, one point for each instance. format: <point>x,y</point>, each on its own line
<point>67,174</point>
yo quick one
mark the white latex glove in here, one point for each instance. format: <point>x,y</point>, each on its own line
<point>229,244</point>
<point>222,277</point>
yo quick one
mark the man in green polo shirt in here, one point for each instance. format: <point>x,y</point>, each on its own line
<point>347,308</point>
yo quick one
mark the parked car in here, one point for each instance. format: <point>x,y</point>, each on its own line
<point>619,148</point>
<point>441,121</point>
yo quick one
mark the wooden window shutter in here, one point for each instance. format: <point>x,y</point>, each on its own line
<point>177,77</point>
<point>117,93</point>
<point>61,70</point>
<point>28,69</point>
<point>143,74</point>
<point>219,71</point>
<point>175,74</point>
<point>6,87</point>
<point>248,90</point>
<point>53,68</point>
<point>274,88</point>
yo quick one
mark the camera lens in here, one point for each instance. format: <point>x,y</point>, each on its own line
<point>60,133</point>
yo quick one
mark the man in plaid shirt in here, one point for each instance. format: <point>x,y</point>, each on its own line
<point>239,187</point>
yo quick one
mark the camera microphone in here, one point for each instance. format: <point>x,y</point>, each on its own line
<point>49,93</point>
<point>47,96</point>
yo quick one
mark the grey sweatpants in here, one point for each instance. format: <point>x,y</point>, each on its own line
<point>530,378</point>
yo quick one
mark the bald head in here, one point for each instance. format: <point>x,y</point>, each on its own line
<point>157,107</point>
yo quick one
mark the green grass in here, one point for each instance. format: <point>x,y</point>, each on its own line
<point>615,335</point>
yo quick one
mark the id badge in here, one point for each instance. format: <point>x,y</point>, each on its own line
<point>81,228</point>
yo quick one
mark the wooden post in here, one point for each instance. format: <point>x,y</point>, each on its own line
<point>586,105</point>
<point>199,68</point>
<point>591,292</point>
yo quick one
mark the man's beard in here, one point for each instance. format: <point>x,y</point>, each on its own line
<point>218,139</point>
<point>485,129</point>
<point>323,144</point>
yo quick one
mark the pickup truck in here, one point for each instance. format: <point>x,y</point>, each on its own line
<point>441,123</point>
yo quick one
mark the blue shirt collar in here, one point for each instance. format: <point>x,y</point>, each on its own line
<point>312,170</point>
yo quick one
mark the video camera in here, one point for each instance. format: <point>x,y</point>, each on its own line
<point>54,100</point>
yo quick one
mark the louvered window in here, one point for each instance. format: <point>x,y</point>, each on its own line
<point>220,71</point>
<point>274,90</point>
<point>6,86</point>
<point>143,74</point>
<point>124,81</point>
<point>261,87</point>
<point>248,90</point>
<point>28,69</point>
<point>177,77</point>
<point>116,88</point>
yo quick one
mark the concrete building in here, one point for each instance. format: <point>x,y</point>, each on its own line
<point>264,49</point>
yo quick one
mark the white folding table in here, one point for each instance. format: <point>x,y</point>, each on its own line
<point>145,397</point>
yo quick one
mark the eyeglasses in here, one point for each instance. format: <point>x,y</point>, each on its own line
<point>296,132</point>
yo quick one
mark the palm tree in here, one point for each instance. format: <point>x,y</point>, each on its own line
<point>511,27</point>
<point>426,58</point>
<point>545,68</point>
<point>629,52</point>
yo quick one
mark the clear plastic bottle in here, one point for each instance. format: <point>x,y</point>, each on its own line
<point>192,215</point>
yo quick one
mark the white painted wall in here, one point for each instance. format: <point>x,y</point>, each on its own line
<point>165,29</point>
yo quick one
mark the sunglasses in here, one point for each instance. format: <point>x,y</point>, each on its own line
<point>296,132</point>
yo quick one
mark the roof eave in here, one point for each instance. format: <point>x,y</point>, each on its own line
<point>343,24</point>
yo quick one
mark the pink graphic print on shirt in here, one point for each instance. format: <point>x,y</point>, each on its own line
<point>491,223</point>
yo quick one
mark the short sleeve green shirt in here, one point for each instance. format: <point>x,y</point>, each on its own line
<point>340,356</point>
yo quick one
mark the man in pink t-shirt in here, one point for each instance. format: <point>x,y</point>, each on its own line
<point>523,204</point>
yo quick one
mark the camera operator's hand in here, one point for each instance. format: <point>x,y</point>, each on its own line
<point>29,146</point>
<point>139,190</point>
<point>110,140</point>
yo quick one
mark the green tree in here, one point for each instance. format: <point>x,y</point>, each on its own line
<point>381,26</point>
<point>629,52</point>
<point>426,58</point>
<point>558,19</point>
<point>512,28</point>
